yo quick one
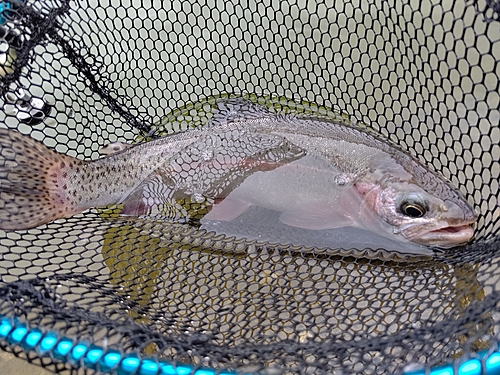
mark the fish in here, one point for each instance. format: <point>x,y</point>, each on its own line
<point>39,185</point>
<point>316,173</point>
<point>349,177</point>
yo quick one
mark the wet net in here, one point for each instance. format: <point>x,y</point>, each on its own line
<point>98,293</point>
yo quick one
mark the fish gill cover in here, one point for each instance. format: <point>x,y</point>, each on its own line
<point>103,293</point>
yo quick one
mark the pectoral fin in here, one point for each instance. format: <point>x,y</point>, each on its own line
<point>336,212</point>
<point>316,215</point>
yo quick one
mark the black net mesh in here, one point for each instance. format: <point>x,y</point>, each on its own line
<point>423,74</point>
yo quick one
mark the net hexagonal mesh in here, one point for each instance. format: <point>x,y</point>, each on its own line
<point>79,75</point>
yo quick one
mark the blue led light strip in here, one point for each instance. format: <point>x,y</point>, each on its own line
<point>112,361</point>
<point>485,365</point>
<point>91,356</point>
<point>4,6</point>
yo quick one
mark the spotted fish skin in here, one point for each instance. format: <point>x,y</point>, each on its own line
<point>39,185</point>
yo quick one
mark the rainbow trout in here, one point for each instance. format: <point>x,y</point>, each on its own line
<point>316,173</point>
<point>38,185</point>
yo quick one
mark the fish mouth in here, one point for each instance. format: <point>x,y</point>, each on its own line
<point>446,237</point>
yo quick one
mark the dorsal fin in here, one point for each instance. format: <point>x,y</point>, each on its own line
<point>238,109</point>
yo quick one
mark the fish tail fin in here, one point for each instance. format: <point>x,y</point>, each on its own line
<point>32,182</point>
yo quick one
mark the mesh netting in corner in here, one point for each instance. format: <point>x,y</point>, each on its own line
<point>100,292</point>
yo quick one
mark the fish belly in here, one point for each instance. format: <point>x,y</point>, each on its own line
<point>310,193</point>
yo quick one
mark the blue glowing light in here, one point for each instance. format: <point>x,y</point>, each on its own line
<point>5,327</point>
<point>48,342</point>
<point>93,355</point>
<point>130,364</point>
<point>18,334</point>
<point>32,339</point>
<point>78,352</point>
<point>471,367</point>
<point>183,369</point>
<point>3,7</point>
<point>111,359</point>
<point>64,347</point>
<point>492,364</point>
<point>204,372</point>
<point>169,369</point>
<point>148,367</point>
<point>445,370</point>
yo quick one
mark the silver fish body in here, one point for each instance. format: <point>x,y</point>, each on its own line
<point>318,174</point>
<point>348,178</point>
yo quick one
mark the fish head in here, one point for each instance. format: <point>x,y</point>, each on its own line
<point>437,219</point>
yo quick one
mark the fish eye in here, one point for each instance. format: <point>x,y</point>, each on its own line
<point>413,209</point>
